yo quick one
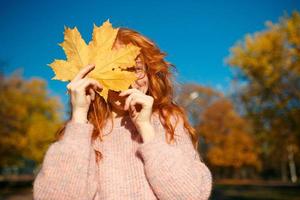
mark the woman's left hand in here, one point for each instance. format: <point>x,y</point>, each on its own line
<point>139,106</point>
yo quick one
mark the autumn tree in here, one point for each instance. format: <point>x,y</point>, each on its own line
<point>232,148</point>
<point>267,65</point>
<point>29,119</point>
<point>226,142</point>
<point>195,98</point>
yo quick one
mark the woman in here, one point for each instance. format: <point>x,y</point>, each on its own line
<point>139,145</point>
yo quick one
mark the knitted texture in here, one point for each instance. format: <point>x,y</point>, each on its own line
<point>129,169</point>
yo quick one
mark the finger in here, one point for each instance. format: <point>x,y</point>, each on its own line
<point>130,98</point>
<point>132,106</point>
<point>127,102</point>
<point>80,82</point>
<point>92,93</point>
<point>133,111</point>
<point>75,82</point>
<point>84,71</point>
<point>88,98</point>
<point>87,82</point>
<point>68,86</point>
<point>136,98</point>
<point>129,91</point>
<point>98,87</point>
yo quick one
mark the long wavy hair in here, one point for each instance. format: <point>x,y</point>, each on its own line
<point>160,88</point>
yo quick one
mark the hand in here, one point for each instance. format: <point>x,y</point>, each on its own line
<point>139,106</point>
<point>82,93</point>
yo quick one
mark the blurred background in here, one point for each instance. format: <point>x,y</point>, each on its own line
<point>238,78</point>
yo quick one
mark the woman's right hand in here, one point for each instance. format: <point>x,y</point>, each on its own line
<point>82,92</point>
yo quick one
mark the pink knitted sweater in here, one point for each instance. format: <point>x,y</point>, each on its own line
<point>129,169</point>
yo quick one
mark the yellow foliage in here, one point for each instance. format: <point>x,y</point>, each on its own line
<point>269,66</point>
<point>267,55</point>
<point>31,116</point>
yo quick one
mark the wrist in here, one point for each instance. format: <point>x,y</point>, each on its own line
<point>147,132</point>
<point>79,120</point>
<point>79,117</point>
<point>141,126</point>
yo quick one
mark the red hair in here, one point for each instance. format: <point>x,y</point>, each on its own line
<point>160,88</point>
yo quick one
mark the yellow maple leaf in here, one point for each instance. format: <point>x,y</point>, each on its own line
<point>111,64</point>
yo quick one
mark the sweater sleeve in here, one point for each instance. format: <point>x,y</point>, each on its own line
<point>175,171</point>
<point>69,168</point>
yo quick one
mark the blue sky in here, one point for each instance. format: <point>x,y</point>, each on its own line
<point>196,35</point>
